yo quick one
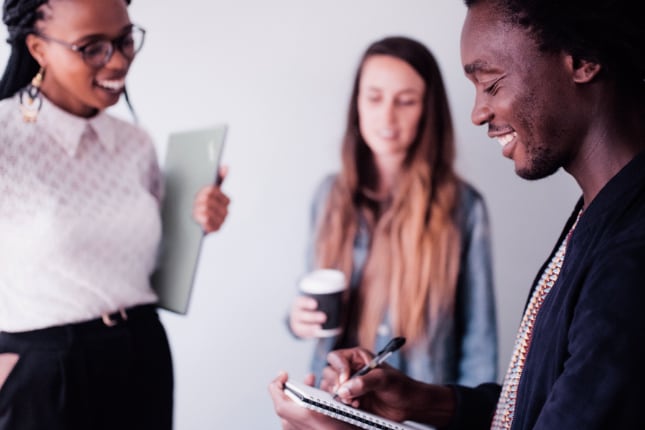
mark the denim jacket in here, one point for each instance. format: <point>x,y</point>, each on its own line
<point>465,348</point>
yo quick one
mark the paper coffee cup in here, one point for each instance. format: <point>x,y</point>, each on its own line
<point>326,286</point>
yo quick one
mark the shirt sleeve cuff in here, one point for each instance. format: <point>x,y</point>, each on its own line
<point>474,407</point>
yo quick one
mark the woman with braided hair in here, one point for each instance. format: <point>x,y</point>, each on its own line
<point>81,344</point>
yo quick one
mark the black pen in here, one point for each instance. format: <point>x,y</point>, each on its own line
<point>392,346</point>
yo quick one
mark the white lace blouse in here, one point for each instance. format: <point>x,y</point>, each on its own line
<point>79,217</point>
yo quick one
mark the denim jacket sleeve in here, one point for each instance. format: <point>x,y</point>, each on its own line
<point>317,207</point>
<point>475,312</point>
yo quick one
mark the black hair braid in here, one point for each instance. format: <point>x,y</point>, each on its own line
<point>19,16</point>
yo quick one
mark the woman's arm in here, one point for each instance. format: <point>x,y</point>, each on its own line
<point>475,307</point>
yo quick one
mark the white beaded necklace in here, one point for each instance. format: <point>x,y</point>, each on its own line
<point>505,410</point>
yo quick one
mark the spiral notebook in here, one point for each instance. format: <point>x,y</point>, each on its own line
<point>323,402</point>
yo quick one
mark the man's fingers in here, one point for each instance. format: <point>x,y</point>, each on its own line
<point>344,361</point>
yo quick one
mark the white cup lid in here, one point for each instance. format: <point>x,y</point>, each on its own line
<point>323,281</point>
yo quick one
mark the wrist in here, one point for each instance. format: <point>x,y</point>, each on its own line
<point>432,404</point>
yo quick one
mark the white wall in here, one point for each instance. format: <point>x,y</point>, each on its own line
<point>279,73</point>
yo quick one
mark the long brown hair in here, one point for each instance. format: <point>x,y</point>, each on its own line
<point>413,259</point>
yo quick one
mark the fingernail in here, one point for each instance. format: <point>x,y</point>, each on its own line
<point>343,392</point>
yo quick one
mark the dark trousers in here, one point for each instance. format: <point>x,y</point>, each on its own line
<point>90,376</point>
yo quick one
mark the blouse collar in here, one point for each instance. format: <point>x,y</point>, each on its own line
<point>68,130</point>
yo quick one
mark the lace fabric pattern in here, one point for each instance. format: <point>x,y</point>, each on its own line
<point>79,217</point>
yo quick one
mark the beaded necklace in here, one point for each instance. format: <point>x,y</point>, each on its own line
<point>505,410</point>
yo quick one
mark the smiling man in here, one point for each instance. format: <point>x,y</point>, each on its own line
<point>559,84</point>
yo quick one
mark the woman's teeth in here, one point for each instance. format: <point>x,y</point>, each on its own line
<point>113,85</point>
<point>387,133</point>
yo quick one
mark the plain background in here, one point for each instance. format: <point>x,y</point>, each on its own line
<point>279,73</point>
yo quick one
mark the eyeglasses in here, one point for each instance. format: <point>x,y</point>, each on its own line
<point>99,52</point>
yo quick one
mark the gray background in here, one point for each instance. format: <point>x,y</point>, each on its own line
<point>279,73</point>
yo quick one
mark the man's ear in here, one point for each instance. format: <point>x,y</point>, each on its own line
<point>583,70</point>
<point>36,47</point>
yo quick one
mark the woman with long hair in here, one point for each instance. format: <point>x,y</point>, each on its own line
<point>411,237</point>
<point>81,344</point>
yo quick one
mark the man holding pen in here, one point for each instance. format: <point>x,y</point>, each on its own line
<point>556,92</point>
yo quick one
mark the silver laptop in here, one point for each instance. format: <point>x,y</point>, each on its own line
<point>191,162</point>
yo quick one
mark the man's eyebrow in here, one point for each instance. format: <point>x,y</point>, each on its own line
<point>476,66</point>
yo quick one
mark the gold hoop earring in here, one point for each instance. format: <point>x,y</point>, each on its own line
<point>30,98</point>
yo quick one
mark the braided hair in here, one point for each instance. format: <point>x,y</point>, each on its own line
<point>20,17</point>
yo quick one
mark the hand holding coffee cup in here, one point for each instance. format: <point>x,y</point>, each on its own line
<point>318,311</point>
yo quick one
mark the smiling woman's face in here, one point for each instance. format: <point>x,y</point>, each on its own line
<point>390,104</point>
<point>69,81</point>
